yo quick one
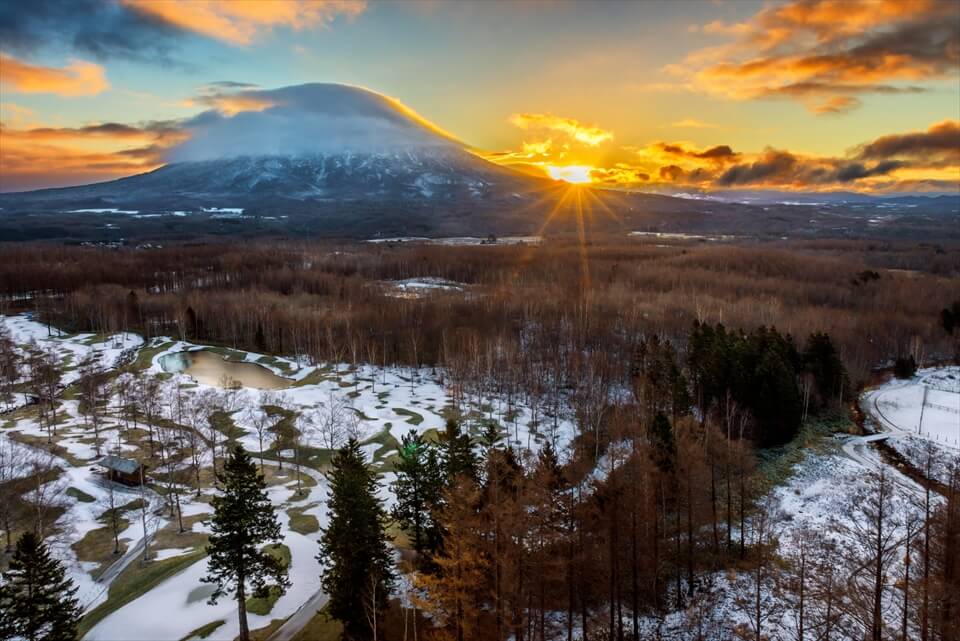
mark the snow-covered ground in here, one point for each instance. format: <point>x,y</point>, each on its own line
<point>919,417</point>
<point>72,348</point>
<point>927,405</point>
<point>421,287</point>
<point>147,618</point>
<point>387,403</point>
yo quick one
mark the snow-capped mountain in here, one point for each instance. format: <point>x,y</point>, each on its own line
<point>336,160</point>
<point>313,143</point>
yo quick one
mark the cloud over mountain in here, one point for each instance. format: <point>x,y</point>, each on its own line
<point>304,119</point>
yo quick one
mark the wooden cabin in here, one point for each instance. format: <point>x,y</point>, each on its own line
<point>122,470</point>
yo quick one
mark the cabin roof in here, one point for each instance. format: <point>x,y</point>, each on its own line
<point>118,464</point>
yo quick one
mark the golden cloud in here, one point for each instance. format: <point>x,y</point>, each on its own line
<point>588,135</point>
<point>45,156</point>
<point>919,160</point>
<point>825,52</point>
<point>229,104</point>
<point>239,22</point>
<point>79,78</point>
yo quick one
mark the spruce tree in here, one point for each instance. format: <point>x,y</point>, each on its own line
<point>357,565</point>
<point>664,446</point>
<point>244,521</point>
<point>458,456</point>
<point>419,491</point>
<point>822,360</point>
<point>38,600</point>
<point>7,630</point>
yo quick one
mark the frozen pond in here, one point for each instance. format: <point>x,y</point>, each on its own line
<point>210,368</point>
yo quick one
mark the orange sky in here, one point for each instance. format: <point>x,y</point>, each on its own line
<point>797,94</point>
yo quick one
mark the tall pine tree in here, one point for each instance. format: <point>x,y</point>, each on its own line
<point>37,601</point>
<point>244,521</point>
<point>357,565</point>
<point>458,456</point>
<point>419,491</point>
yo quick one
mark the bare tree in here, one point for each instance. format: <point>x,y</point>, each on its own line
<point>9,366</point>
<point>111,514</point>
<point>332,421</point>
<point>13,466</point>
<point>303,425</point>
<point>257,417</point>
<point>45,372</point>
<point>756,590</point>
<point>871,531</point>
<point>46,496</point>
<point>804,544</point>
<point>91,384</point>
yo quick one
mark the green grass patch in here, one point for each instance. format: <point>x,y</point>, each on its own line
<point>361,415</point>
<point>146,354</point>
<point>388,443</point>
<point>776,465</point>
<point>203,631</point>
<point>97,546</point>
<point>303,523</point>
<point>262,605</point>
<point>135,504</point>
<point>315,377</point>
<point>224,423</point>
<point>280,552</point>
<point>40,442</point>
<point>412,417</point>
<point>133,582</point>
<point>273,361</point>
<point>80,495</point>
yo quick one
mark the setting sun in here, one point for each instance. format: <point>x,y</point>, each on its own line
<point>576,174</point>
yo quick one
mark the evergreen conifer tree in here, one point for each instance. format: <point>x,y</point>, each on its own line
<point>244,521</point>
<point>419,491</point>
<point>357,565</point>
<point>38,600</point>
<point>458,456</point>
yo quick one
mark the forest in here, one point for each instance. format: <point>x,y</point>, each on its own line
<point>695,375</point>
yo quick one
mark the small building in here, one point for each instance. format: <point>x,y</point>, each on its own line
<point>122,470</point>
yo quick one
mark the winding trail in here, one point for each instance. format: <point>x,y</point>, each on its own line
<point>860,448</point>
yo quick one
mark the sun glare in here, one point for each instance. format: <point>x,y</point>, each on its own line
<point>576,174</point>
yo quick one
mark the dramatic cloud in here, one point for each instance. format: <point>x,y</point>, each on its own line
<point>90,27</point>
<point>783,169</point>
<point>239,23</point>
<point>587,135</point>
<point>151,30</point>
<point>42,156</point>
<point>915,161</point>
<point>229,97</point>
<point>79,78</point>
<point>719,153</point>
<point>938,145</point>
<point>826,52</point>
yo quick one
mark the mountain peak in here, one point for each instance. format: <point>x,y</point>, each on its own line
<point>314,118</point>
